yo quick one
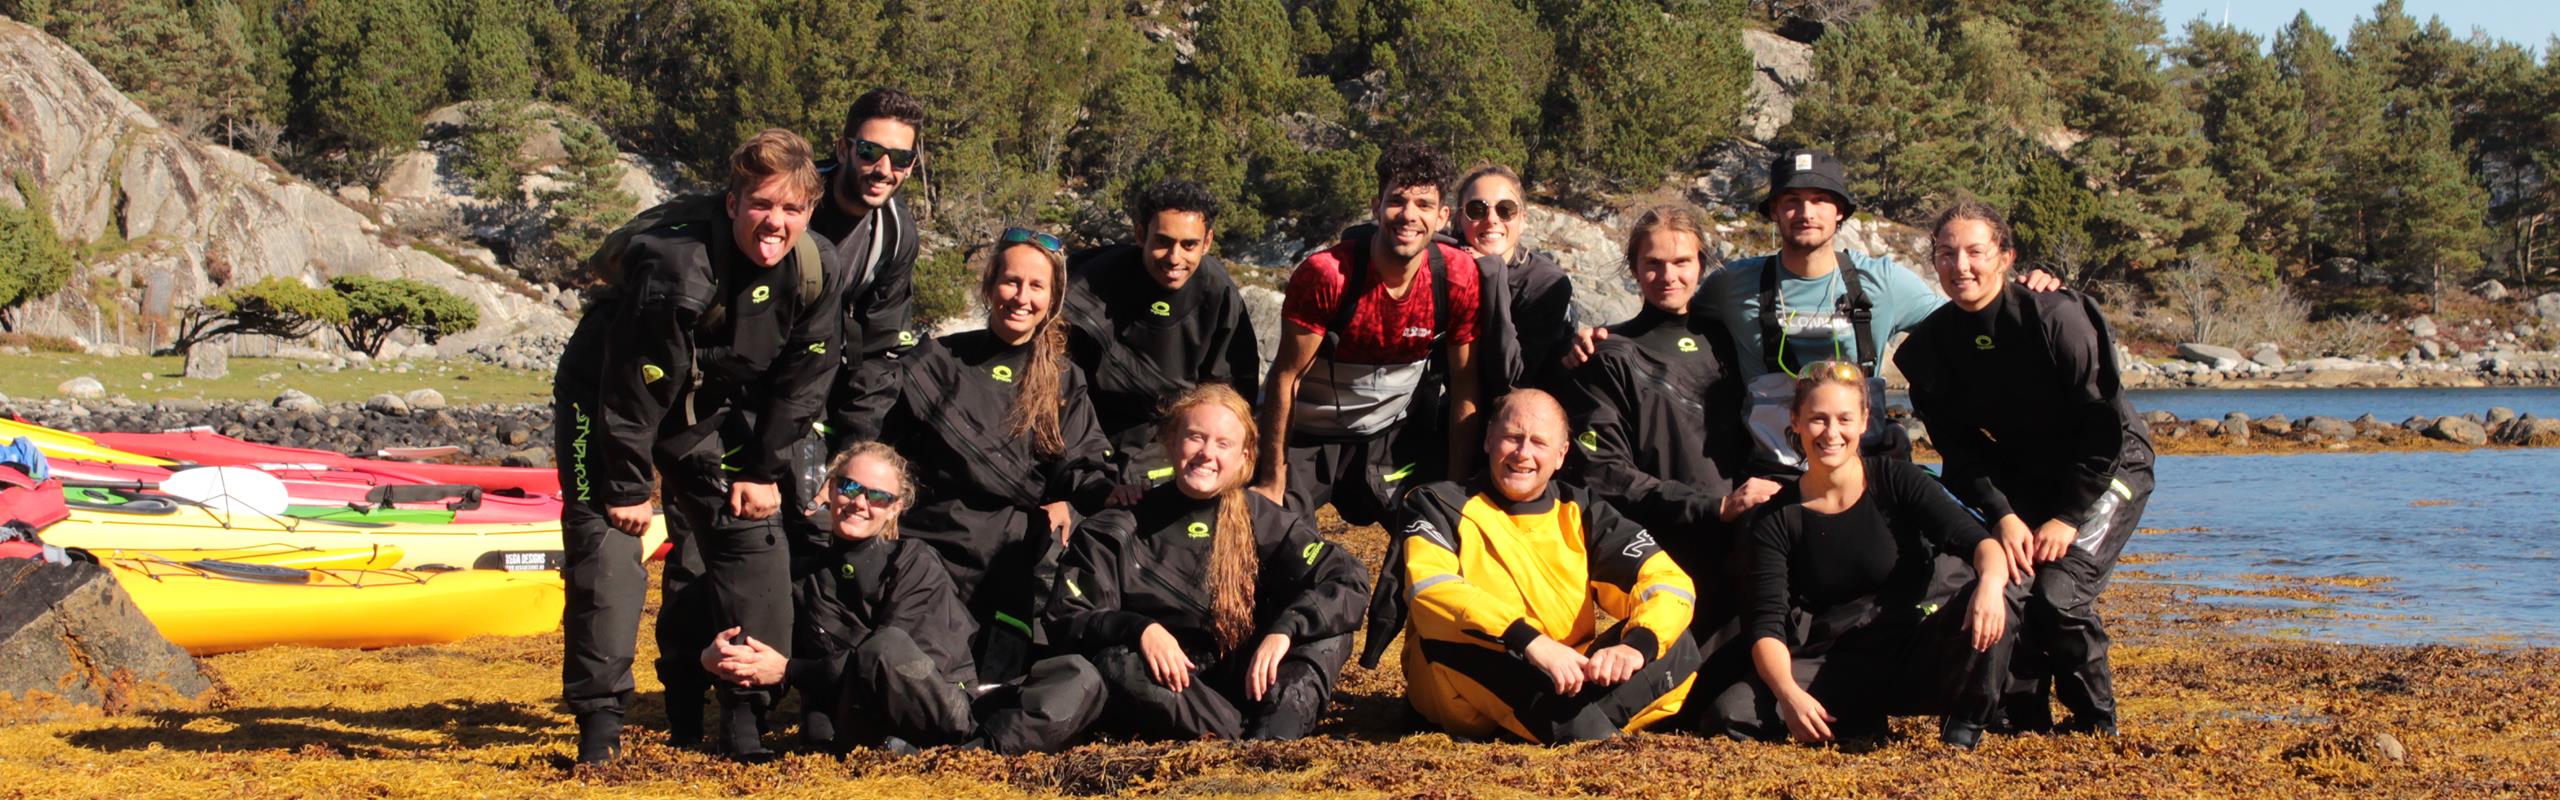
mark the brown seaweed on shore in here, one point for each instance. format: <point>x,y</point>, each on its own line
<point>2209,710</point>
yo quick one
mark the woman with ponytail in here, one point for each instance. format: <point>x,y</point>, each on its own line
<point>1208,609</point>
<point>1003,441</point>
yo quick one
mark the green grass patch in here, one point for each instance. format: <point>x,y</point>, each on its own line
<point>149,378</point>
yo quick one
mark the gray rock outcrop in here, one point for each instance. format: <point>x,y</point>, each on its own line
<point>82,388</point>
<point>69,634</point>
<point>202,217</point>
<point>2458,431</point>
<point>2216,356</point>
<point>209,361</point>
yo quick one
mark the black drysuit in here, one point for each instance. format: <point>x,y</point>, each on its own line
<point>1658,414</point>
<point>706,368</point>
<point>979,487</point>
<point>1849,594</point>
<point>2023,401</point>
<point>1524,320</point>
<point>884,642</point>
<point>1141,345</point>
<point>1126,569</point>
<point>879,248</point>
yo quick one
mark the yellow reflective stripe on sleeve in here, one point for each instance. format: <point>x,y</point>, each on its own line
<point>2117,486</point>
<point>1159,473</point>
<point>1432,581</point>
<point>1674,591</point>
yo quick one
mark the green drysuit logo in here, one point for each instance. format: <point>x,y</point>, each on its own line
<point>650,373</point>
<point>1688,345</point>
<point>1161,309</point>
<point>1590,440</point>
<point>761,294</point>
<point>1982,342</point>
<point>1198,530</point>
<point>1002,373</point>
<point>1310,552</point>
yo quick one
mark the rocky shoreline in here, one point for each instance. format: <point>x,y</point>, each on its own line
<point>519,434</point>
<point>2199,366</point>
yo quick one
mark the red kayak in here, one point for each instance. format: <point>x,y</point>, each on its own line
<point>212,449</point>
<point>328,487</point>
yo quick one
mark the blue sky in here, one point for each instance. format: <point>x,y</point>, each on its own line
<point>2525,22</point>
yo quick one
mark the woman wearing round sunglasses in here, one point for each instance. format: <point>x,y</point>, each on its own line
<point>1004,439</point>
<point>1841,629</point>
<point>884,638</point>
<point>1528,301</point>
<point>1208,609</point>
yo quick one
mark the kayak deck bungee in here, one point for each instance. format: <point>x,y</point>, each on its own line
<point>525,545</point>
<point>213,449</point>
<point>276,554</point>
<point>209,608</point>
<point>319,486</point>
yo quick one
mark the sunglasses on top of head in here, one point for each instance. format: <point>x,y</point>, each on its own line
<point>1034,238</point>
<point>1508,210</point>
<point>849,488</point>
<point>866,151</point>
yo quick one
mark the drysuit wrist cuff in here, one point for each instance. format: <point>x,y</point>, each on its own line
<point>1519,636</point>
<point>1643,640</point>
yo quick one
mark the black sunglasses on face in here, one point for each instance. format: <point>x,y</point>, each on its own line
<point>1508,209</point>
<point>849,488</point>
<point>866,151</point>
<point>1032,237</point>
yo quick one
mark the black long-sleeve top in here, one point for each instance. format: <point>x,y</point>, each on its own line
<point>1840,571</point>
<point>1149,564</point>
<point>2023,400</point>
<point>669,374</point>
<point>1658,412</point>
<point>851,589</point>
<point>1141,344</point>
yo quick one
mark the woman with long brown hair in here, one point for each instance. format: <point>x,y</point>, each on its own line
<point>1003,441</point>
<point>1208,609</point>
<point>1841,627</point>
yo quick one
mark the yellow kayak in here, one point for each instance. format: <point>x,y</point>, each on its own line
<point>228,609</point>
<point>65,444</point>
<point>492,545</point>
<point>274,555</point>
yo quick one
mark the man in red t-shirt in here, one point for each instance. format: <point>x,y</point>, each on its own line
<point>1339,410</point>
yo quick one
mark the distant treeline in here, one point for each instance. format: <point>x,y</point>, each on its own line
<point>2120,148</point>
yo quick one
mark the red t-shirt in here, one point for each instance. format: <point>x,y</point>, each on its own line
<point>1384,330</point>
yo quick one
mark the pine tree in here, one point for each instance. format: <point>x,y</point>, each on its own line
<point>1892,108</point>
<point>2438,210</point>
<point>1467,77</point>
<point>2052,215</point>
<point>371,67</point>
<point>2346,108</point>
<point>2262,145</point>
<point>1646,87</point>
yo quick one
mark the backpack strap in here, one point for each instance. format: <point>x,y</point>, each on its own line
<point>1440,293</point>
<point>1355,282</point>
<point>1861,311</point>
<point>1773,334</point>
<point>1854,304</point>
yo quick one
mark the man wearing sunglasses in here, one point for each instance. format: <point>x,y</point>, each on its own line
<point>876,238</point>
<point>1349,414</point>
<point>1150,320</point>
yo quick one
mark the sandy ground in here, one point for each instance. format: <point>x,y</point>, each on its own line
<point>2218,701</point>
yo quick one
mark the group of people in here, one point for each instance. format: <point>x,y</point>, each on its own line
<point>1095,514</point>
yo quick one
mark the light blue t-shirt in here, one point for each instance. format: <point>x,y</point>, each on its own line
<point>1809,309</point>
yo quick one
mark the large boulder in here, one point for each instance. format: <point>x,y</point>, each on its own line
<point>2266,354</point>
<point>208,361</point>
<point>2458,431</point>
<point>2216,356</point>
<point>69,637</point>
<point>82,388</point>
<point>2547,307</point>
<point>1781,68</point>
<point>2422,328</point>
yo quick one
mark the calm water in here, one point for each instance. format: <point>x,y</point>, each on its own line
<point>2470,542</point>
<point>2388,405</point>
